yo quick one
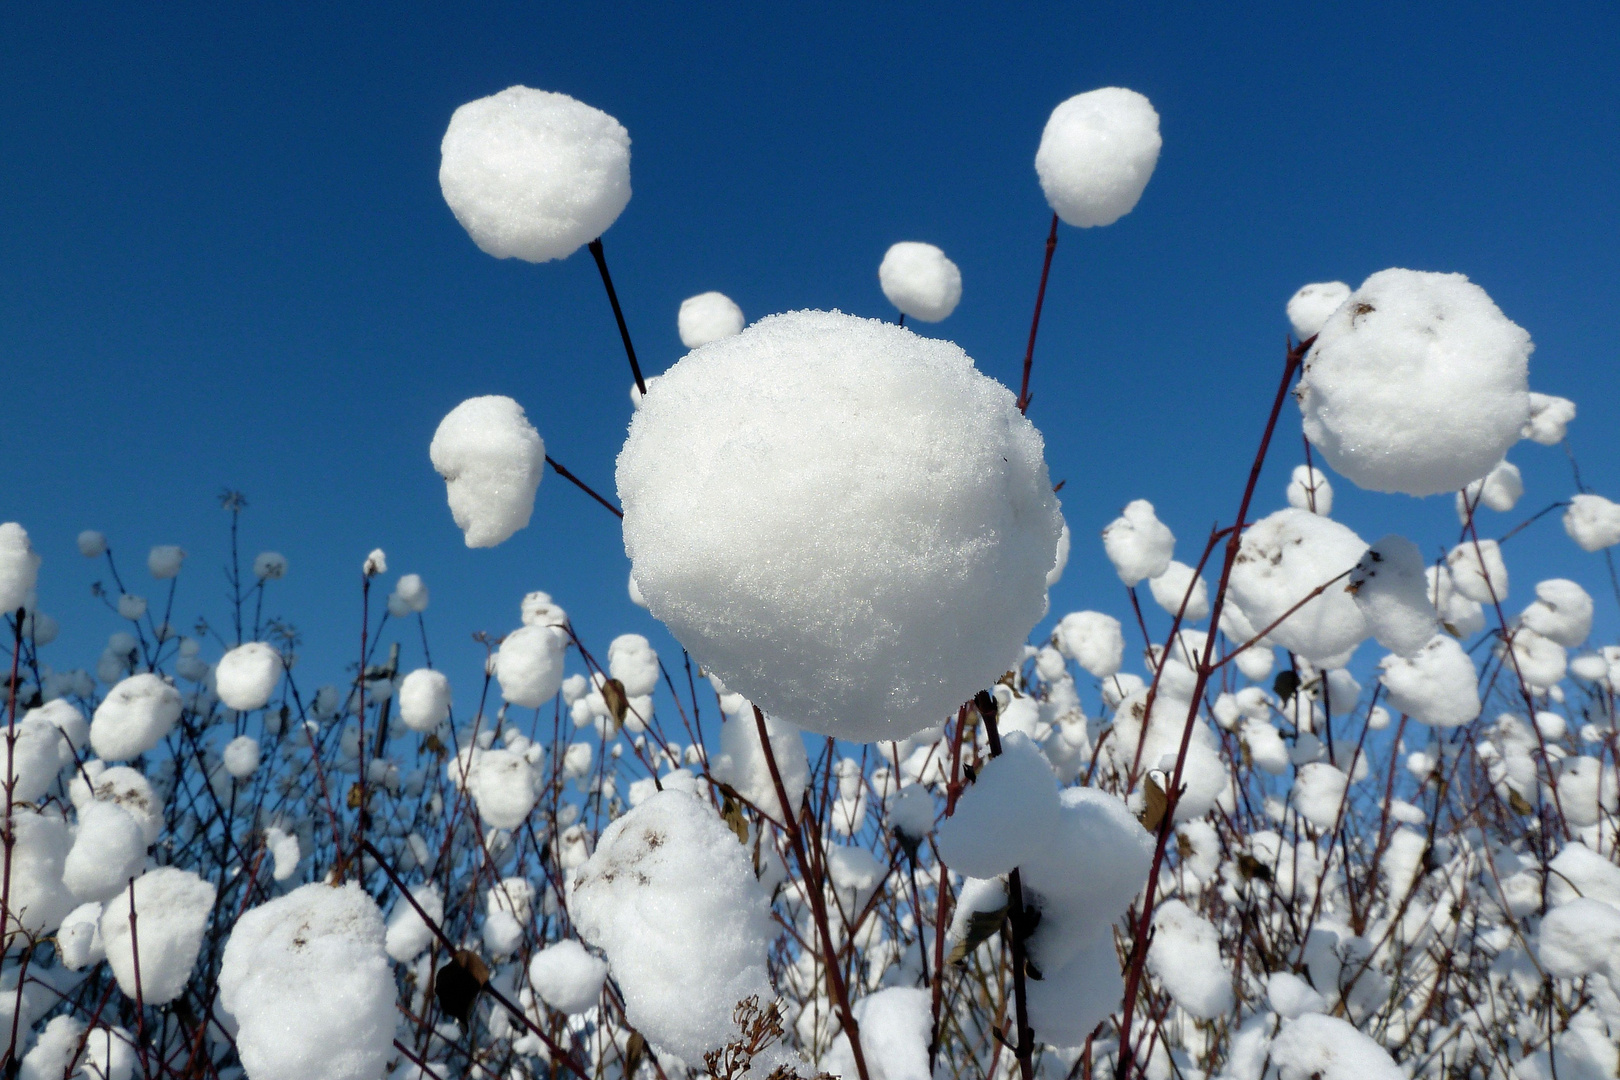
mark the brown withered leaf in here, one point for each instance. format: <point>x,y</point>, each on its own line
<point>731,813</point>
<point>1519,804</point>
<point>634,1051</point>
<point>457,984</point>
<point>1251,868</point>
<point>982,926</point>
<point>355,792</point>
<point>1155,803</point>
<point>618,702</point>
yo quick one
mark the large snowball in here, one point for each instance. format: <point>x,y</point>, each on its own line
<point>847,523</point>
<point>424,699</point>
<point>171,912</point>
<point>1283,558</point>
<point>492,460</point>
<point>920,281</point>
<point>529,665</point>
<point>1417,383</point>
<point>1438,686</point>
<point>534,175</point>
<point>134,717</point>
<point>1096,155</point>
<point>19,568</point>
<point>708,317</point>
<point>1593,522</point>
<point>247,676</point>
<point>1309,308</point>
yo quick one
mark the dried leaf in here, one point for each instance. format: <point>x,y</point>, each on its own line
<point>457,984</point>
<point>1155,804</point>
<point>634,1051</point>
<point>1286,683</point>
<point>1520,806</point>
<point>982,926</point>
<point>732,814</point>
<point>618,702</point>
<point>1251,868</point>
<point>355,792</point>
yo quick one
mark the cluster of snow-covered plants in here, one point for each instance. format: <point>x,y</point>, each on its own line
<point>863,825</point>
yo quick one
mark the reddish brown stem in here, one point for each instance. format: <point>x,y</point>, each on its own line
<point>583,486</point>
<point>1035,321</point>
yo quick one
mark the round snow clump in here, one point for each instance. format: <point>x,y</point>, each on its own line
<point>316,944</point>
<point>1093,640</point>
<point>633,662</point>
<point>1416,384</point>
<point>35,756</point>
<point>1562,612</point>
<point>1392,591</point>
<point>164,561</point>
<point>505,787</point>
<point>1138,543</point>
<point>109,848</point>
<point>1438,686</point>
<point>19,568</point>
<point>1284,558</point>
<point>92,544</point>
<point>532,174</point>
<point>566,977</point>
<point>412,592</point>
<point>920,281</point>
<point>171,913</point>
<point>1309,308</point>
<point>424,699</point>
<point>1308,489</point>
<point>1097,154</point>
<point>1593,522</point>
<point>134,717</point>
<point>242,756</point>
<point>847,523</point>
<point>247,675</point>
<point>529,665</point>
<point>1498,489</point>
<point>492,460</point>
<point>270,566</point>
<point>708,317</point>
<point>1549,419</point>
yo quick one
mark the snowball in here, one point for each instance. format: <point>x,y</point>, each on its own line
<point>284,850</point>
<point>741,764</point>
<point>242,756</point>
<point>270,566</point>
<point>1392,592</point>
<point>708,317</point>
<point>1416,384</point>
<point>1178,583</point>
<point>108,849</point>
<point>1438,686</point>
<point>131,607</point>
<point>911,812</point>
<point>1281,560</point>
<point>1497,490</point>
<point>1460,616</point>
<point>1055,575</point>
<point>407,936</point>
<point>1308,489</point>
<point>247,675</point>
<point>1291,996</point>
<point>529,666</point>
<point>318,945</point>
<point>1093,640</point>
<point>1478,571</point>
<point>635,592</point>
<point>896,1024</point>
<point>1096,155</point>
<point>1138,544</point>
<point>492,460</point>
<point>164,561</point>
<point>19,568</point>
<point>1540,662</point>
<point>34,757</point>
<point>1319,793</point>
<point>1068,1003</point>
<point>1266,748</point>
<point>1185,957</point>
<point>1580,871</point>
<point>109,1054</point>
<point>1318,1047</point>
<point>1549,418</point>
<point>503,934</point>
<point>376,563</point>
<point>532,174</point>
<point>632,661</point>
<point>1309,308</point>
<point>934,530</point>
<point>128,789</point>
<point>567,978</point>
<point>424,699</point>
<point>1006,817</point>
<point>538,609</point>
<point>57,1051</point>
<point>171,913</point>
<point>1562,612</point>
<point>670,896</point>
<point>920,281</point>
<point>134,717</point>
<point>92,544</point>
<point>505,786</point>
<point>410,589</point>
<point>1593,522</point>
<point>38,899</point>
<point>1579,938</point>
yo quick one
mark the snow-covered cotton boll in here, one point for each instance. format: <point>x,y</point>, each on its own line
<point>567,978</point>
<point>529,666</point>
<point>920,281</point>
<point>108,849</point>
<point>125,787</point>
<point>164,561</point>
<point>935,528</point>
<point>1318,1047</point>
<point>92,544</point>
<point>505,787</point>
<point>1478,571</point>
<point>632,661</point>
<point>38,899</point>
<point>407,935</point>
<point>1309,490</point>
<point>1497,490</point>
<point>242,756</point>
<point>1458,614</point>
<point>703,949</point>
<point>375,563</point>
<point>1438,686</point>
<point>1061,559</point>
<point>1392,592</point>
<point>410,589</point>
<point>1185,956</point>
<point>1093,640</point>
<point>270,566</point>
<point>318,944</point>
<point>1283,558</point>
<point>1309,308</point>
<point>19,568</point>
<point>708,317</point>
<point>1006,816</point>
<point>895,1026</point>
<point>1549,419</point>
<point>424,699</point>
<point>538,609</point>
<point>246,676</point>
<point>134,717</point>
<point>534,175</point>
<point>72,728</point>
<point>1593,522</point>
<point>1319,793</point>
<point>1138,544</point>
<point>34,757</point>
<point>1539,661</point>
<point>492,460</point>
<point>1067,1004</point>
<point>1178,583</point>
<point>1266,748</point>
<point>1416,384</point>
<point>741,763</point>
<point>1562,612</point>
<point>171,913</point>
<point>131,607</point>
<point>1097,154</point>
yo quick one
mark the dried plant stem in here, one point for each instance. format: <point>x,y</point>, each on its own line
<point>583,486</point>
<point>1035,322</point>
<point>618,313</point>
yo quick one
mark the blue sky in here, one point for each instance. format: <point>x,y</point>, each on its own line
<point>225,261</point>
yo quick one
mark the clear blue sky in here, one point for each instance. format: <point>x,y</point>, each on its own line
<point>225,261</point>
